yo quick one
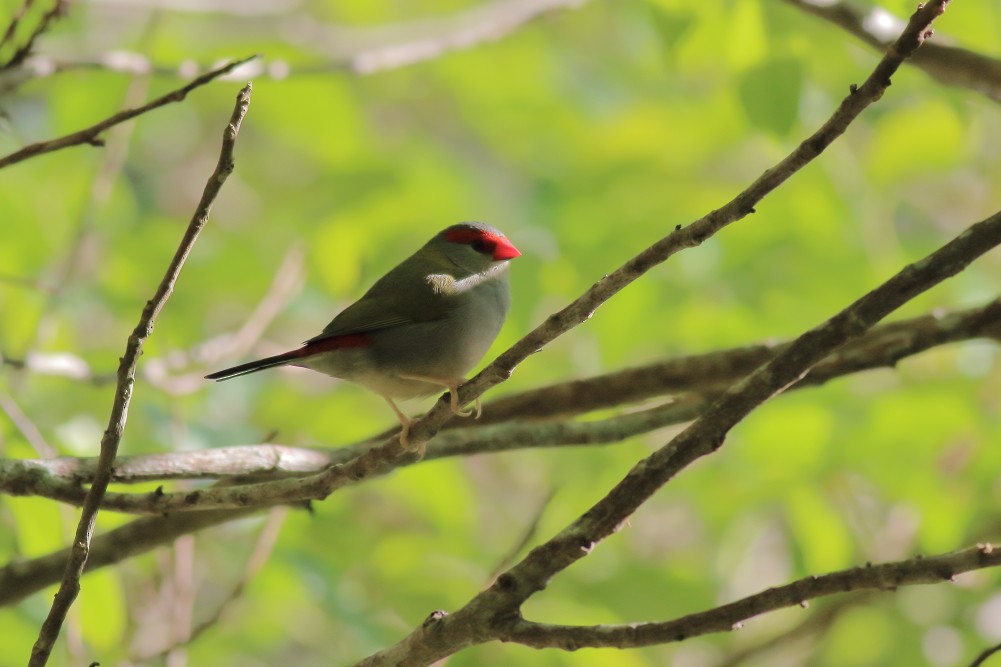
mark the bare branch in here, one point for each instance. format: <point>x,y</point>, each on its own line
<point>26,426</point>
<point>478,618</point>
<point>70,585</point>
<point>483,24</point>
<point>884,346</point>
<point>217,463</point>
<point>917,30</point>
<point>946,64</point>
<point>20,579</point>
<point>258,558</point>
<point>817,624</point>
<point>58,10</point>
<point>703,437</point>
<point>986,653</point>
<point>882,577</point>
<point>707,434</point>
<point>69,268</point>
<point>359,51</point>
<point>529,534</point>
<point>157,370</point>
<point>703,377</point>
<point>91,135</point>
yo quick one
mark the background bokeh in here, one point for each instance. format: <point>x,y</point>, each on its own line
<point>585,135</point>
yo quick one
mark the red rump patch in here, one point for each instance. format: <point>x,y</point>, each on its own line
<point>495,243</point>
<point>334,343</point>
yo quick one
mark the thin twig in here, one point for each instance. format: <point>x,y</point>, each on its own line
<point>352,49</point>
<point>68,269</point>
<point>58,9</point>
<point>26,426</point>
<point>70,585</point>
<point>728,617</point>
<point>951,65</point>
<point>157,370</point>
<point>986,653</point>
<point>814,625</point>
<point>91,135</point>
<point>526,538</point>
<point>22,578</point>
<point>15,20</point>
<point>258,558</point>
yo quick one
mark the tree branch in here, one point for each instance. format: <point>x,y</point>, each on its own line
<point>946,64</point>
<point>884,346</point>
<point>695,380</point>
<point>986,653</point>
<point>18,580</point>
<point>815,625</point>
<point>479,619</point>
<point>70,585</point>
<point>259,556</point>
<point>91,135</point>
<point>382,458</point>
<point>58,10</point>
<point>882,577</point>
<point>157,370</point>
<point>357,50</point>
<point>915,33</point>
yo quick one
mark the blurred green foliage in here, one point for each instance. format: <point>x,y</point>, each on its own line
<point>585,135</point>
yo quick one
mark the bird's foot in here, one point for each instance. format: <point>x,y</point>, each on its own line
<point>474,412</point>
<point>405,423</point>
<point>453,402</point>
<point>453,394</point>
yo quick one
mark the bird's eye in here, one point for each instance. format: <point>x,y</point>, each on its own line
<point>482,246</point>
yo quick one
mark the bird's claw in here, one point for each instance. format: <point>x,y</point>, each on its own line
<point>454,404</point>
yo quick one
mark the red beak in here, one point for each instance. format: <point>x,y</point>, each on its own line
<point>504,250</point>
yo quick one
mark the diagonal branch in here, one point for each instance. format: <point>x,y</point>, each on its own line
<point>480,619</point>
<point>708,433</point>
<point>91,135</point>
<point>917,30</point>
<point>951,65</point>
<point>986,653</point>
<point>810,628</point>
<point>20,579</point>
<point>56,11</point>
<point>884,346</point>
<point>882,577</point>
<point>382,458</point>
<point>70,585</point>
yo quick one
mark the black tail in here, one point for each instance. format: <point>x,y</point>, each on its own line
<point>254,366</point>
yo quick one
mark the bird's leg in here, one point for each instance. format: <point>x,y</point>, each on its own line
<point>405,421</point>
<point>453,393</point>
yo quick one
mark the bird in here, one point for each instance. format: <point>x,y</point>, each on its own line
<point>420,328</point>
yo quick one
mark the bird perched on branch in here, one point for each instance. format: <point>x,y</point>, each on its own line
<point>420,327</point>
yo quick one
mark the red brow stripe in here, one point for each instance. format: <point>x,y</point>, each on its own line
<point>470,235</point>
<point>502,248</point>
<point>334,343</point>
